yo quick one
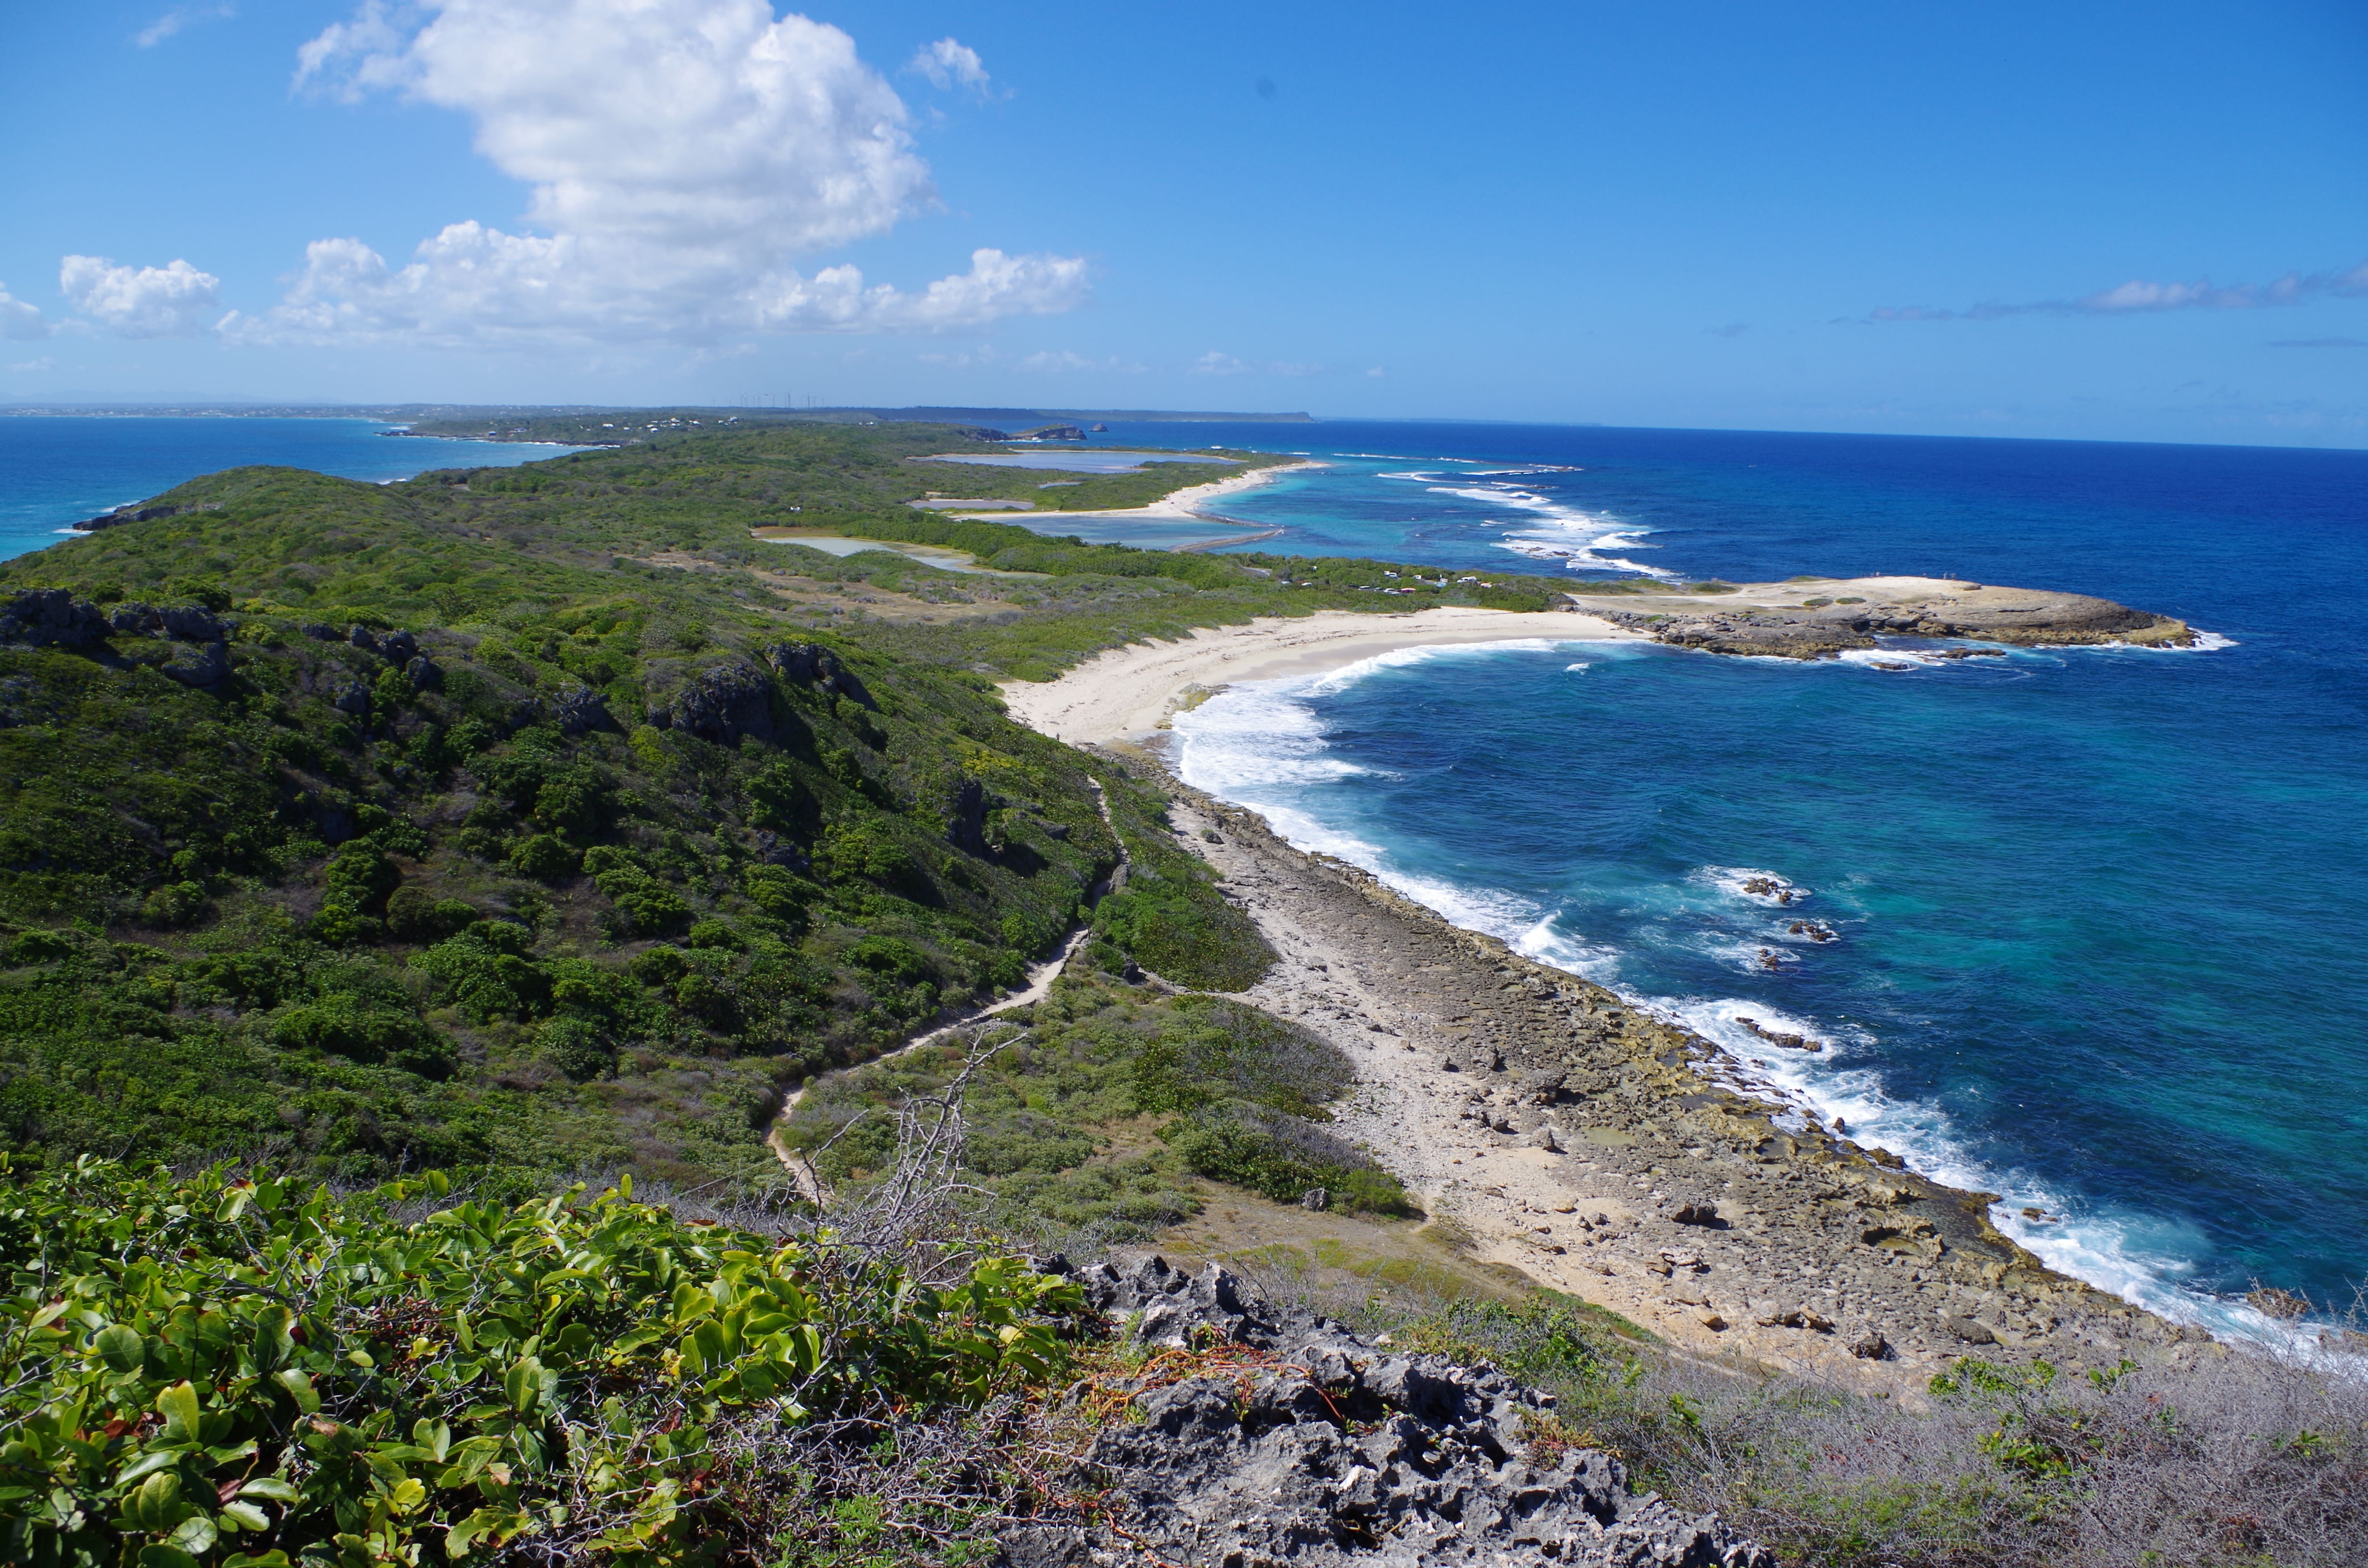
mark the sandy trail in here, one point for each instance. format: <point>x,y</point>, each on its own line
<point>1126,693</point>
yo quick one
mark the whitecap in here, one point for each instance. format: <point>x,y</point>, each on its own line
<point>1733,880</point>
<point>2205,642</point>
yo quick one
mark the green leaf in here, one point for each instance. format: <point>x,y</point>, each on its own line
<point>157,1506</point>
<point>183,1418</point>
<point>269,1487</point>
<point>435,1437</point>
<point>147,1464</point>
<point>489,1525</point>
<point>299,1389</point>
<point>195,1535</point>
<point>120,1348</point>
<point>245,1516</point>
<point>520,1382</point>
<point>163,1556</point>
<point>273,1559</point>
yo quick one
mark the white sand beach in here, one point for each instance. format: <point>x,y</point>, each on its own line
<point>1189,503</point>
<point>1132,691</point>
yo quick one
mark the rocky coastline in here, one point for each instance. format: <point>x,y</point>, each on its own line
<point>1822,618</point>
<point>1605,1152</point>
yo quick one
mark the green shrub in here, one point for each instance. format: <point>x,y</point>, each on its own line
<point>1281,1158</point>
<point>345,1025</point>
<point>544,857</point>
<point>486,971</point>
<point>576,1048</point>
<point>213,1372</point>
<point>414,916</point>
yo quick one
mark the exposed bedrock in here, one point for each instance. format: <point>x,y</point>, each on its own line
<point>1818,629</point>
<point>1301,1443</point>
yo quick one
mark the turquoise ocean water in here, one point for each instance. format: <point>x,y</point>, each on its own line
<point>2099,910</point>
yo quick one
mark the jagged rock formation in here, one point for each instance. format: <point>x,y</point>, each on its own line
<point>810,663</point>
<point>1343,1454</point>
<point>1820,628</point>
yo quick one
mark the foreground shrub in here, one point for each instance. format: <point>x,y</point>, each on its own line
<point>247,1373</point>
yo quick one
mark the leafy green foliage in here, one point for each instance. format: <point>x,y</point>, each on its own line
<point>1168,917</point>
<point>247,1373</point>
<point>1101,1115</point>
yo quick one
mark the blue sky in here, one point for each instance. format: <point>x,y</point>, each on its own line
<point>2064,220</point>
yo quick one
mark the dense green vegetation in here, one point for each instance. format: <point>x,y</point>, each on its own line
<point>248,1373</point>
<point>1094,1110</point>
<point>538,821</point>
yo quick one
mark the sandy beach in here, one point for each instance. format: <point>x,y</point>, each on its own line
<point>1127,693</point>
<point>1187,504</point>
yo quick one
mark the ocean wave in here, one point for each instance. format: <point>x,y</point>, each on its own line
<point>2205,642</point>
<point>1332,682</point>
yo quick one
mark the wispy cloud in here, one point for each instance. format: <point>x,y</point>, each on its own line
<point>19,320</point>
<point>179,19</point>
<point>1732,329</point>
<point>1069,360</point>
<point>1215,364</point>
<point>35,366</point>
<point>2319,343</point>
<point>2143,296</point>
<point>947,64</point>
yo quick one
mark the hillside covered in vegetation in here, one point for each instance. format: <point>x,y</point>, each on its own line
<point>546,818</point>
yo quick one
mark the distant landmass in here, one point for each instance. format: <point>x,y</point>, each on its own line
<point>498,414</point>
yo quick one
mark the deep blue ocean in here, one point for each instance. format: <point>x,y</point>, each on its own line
<point>2103,949</point>
<point>59,469</point>
<point>2101,942</point>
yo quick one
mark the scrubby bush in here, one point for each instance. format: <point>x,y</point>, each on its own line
<point>226,1372</point>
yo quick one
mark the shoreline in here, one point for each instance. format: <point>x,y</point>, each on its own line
<point>1177,505</point>
<point>1123,694</point>
<point>1552,1126</point>
<point>1568,1133</point>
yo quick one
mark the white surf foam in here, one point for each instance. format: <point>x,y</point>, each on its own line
<point>2205,642</point>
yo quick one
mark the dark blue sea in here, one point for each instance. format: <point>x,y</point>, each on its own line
<point>2103,913</point>
<point>2102,948</point>
<point>56,470</point>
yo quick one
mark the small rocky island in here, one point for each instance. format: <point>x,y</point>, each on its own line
<point>1818,617</point>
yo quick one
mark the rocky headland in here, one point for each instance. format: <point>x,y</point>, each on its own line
<point>1820,618</point>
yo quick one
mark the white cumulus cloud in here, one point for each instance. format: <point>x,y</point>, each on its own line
<point>947,63</point>
<point>139,302</point>
<point>35,366</point>
<point>19,320</point>
<point>680,153</point>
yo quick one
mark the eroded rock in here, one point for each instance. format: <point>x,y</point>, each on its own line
<point>1344,1452</point>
